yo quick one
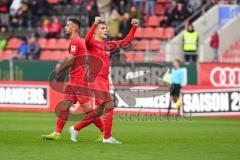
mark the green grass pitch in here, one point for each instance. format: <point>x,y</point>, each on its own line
<point>198,139</point>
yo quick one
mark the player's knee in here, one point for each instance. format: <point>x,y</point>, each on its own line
<point>65,105</point>
<point>109,105</point>
<point>99,110</point>
<point>99,113</point>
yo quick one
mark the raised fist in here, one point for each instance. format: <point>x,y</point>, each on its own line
<point>135,22</point>
<point>97,20</point>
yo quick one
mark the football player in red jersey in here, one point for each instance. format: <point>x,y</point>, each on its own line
<point>99,47</point>
<point>76,63</point>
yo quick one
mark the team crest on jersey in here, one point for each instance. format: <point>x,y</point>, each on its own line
<point>73,48</point>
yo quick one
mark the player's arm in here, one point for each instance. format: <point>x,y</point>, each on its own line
<point>129,38</point>
<point>74,51</point>
<point>90,33</point>
<point>69,63</point>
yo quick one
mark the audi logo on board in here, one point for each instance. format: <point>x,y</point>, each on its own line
<point>225,77</point>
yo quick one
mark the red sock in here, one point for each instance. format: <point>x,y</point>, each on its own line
<point>62,119</point>
<point>86,121</point>
<point>107,120</point>
<point>98,123</point>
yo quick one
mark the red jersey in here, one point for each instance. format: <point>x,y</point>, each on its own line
<point>77,48</point>
<point>102,51</point>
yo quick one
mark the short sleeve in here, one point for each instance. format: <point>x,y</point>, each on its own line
<point>73,48</point>
<point>76,48</point>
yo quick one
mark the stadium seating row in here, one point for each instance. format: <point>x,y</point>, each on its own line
<point>61,55</point>
<point>142,45</point>
<point>155,33</point>
<point>7,54</point>
<point>52,43</point>
<point>62,44</point>
<point>152,21</point>
<point>233,54</point>
<point>236,46</point>
<point>141,57</point>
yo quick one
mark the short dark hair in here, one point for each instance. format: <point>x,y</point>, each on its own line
<point>75,21</point>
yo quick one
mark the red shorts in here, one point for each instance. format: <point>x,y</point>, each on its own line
<point>100,88</point>
<point>75,92</point>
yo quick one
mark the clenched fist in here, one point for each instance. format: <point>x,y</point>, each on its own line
<point>135,22</point>
<point>97,20</point>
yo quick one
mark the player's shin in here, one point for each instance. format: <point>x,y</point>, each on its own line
<point>61,121</point>
<point>107,120</point>
<point>63,114</point>
<point>99,124</point>
<point>89,118</point>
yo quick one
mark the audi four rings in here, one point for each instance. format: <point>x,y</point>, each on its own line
<point>225,77</point>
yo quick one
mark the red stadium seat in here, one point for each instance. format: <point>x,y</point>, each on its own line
<point>45,55</point>
<point>169,33</point>
<point>236,46</point>
<point>61,55</point>
<point>233,54</point>
<point>158,33</point>
<point>14,43</point>
<point>138,33</point>
<point>141,45</point>
<point>154,45</point>
<point>1,54</point>
<point>7,54</point>
<point>139,57</point>
<point>52,55</point>
<point>148,32</point>
<point>129,57</point>
<point>62,43</point>
<point>152,21</point>
<point>65,52</point>
<point>51,43</point>
<point>230,57</point>
<point>42,43</point>
<point>135,57</point>
<point>238,43</point>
